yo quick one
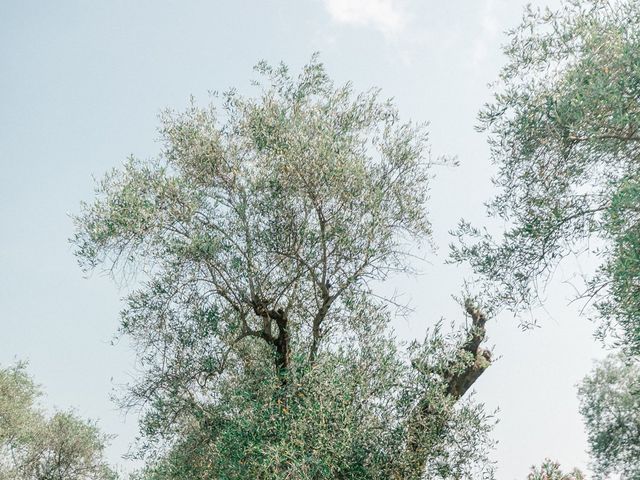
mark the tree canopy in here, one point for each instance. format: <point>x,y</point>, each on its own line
<point>550,470</point>
<point>34,447</point>
<point>610,406</point>
<point>564,133</point>
<point>256,235</point>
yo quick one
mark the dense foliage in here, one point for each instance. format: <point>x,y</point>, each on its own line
<point>257,235</point>
<point>564,131</point>
<point>34,447</point>
<point>610,405</point>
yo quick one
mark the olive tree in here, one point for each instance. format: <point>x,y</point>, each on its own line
<point>550,470</point>
<point>610,406</point>
<point>564,130</point>
<point>34,447</point>
<point>564,133</point>
<point>255,239</point>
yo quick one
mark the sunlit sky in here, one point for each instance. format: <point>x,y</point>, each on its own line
<point>81,84</point>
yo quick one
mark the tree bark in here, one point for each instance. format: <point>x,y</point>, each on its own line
<point>283,346</point>
<point>281,343</point>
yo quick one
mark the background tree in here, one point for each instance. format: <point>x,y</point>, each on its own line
<point>564,132</point>
<point>265,352</point>
<point>610,405</point>
<point>550,470</point>
<point>33,447</point>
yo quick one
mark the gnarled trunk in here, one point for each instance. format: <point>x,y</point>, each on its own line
<point>428,421</point>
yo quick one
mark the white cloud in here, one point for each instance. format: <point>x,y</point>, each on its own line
<point>384,15</point>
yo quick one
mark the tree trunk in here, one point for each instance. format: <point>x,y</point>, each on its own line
<point>428,422</point>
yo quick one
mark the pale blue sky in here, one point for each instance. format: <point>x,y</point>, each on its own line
<point>81,83</point>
